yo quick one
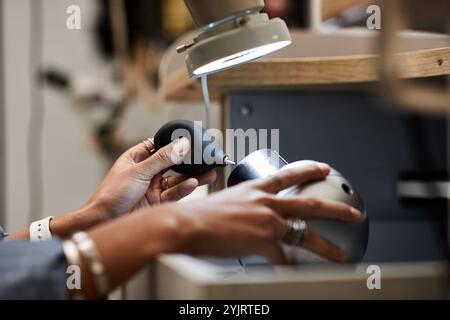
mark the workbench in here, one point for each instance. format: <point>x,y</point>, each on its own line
<point>184,277</point>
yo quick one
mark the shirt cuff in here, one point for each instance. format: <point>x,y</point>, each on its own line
<point>3,234</point>
<point>33,270</point>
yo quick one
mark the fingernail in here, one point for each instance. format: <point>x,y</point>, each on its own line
<point>182,146</point>
<point>179,151</point>
<point>356,213</point>
<point>324,167</point>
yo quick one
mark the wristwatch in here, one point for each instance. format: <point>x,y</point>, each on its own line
<point>40,230</point>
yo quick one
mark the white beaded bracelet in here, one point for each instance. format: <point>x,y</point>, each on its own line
<point>40,230</point>
<point>88,250</point>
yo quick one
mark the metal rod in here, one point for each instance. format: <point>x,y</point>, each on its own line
<point>315,14</point>
<point>207,101</point>
<point>228,162</point>
<point>2,131</point>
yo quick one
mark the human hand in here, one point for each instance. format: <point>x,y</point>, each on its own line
<point>250,219</point>
<point>136,180</point>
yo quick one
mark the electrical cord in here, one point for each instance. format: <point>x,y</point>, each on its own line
<point>2,128</point>
<point>207,101</point>
<point>37,114</point>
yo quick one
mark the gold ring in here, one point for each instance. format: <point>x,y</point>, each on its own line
<point>165,183</point>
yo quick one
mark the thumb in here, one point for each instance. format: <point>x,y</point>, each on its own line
<point>164,158</point>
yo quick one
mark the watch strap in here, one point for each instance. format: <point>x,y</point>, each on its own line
<point>40,230</point>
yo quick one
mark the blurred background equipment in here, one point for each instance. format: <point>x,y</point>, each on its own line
<point>100,102</point>
<point>151,26</point>
<point>427,96</point>
<point>2,132</point>
<point>37,115</point>
<point>134,35</point>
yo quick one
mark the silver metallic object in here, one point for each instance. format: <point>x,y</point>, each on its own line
<point>297,232</point>
<point>229,162</point>
<point>416,189</point>
<point>351,237</point>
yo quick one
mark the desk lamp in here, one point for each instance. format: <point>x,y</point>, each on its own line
<point>233,32</point>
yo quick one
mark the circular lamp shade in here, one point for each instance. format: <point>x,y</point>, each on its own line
<point>244,36</point>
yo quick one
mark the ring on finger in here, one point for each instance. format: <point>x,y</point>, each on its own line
<point>165,183</point>
<point>149,143</point>
<point>296,234</point>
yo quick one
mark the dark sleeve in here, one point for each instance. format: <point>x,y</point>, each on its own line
<point>32,270</point>
<point>2,233</point>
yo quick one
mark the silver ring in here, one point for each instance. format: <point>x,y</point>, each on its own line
<point>165,183</point>
<point>149,143</point>
<point>296,234</point>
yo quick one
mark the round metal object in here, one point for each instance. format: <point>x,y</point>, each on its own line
<point>351,237</point>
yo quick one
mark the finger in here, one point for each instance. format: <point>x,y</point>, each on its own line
<point>311,208</point>
<point>294,176</point>
<point>164,158</point>
<point>180,191</point>
<point>267,219</point>
<point>273,229</point>
<point>264,235</point>
<point>275,254</point>
<point>206,178</point>
<point>153,193</point>
<point>324,248</point>
<point>140,152</point>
